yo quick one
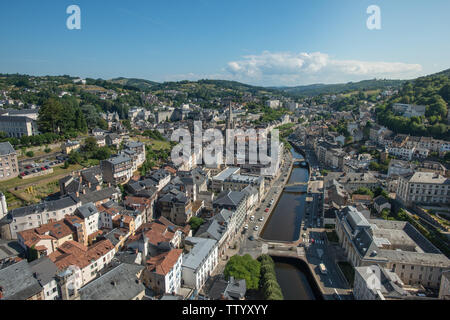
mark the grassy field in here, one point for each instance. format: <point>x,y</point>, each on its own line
<point>155,144</point>
<point>37,192</point>
<point>13,201</point>
<point>19,183</point>
<point>38,152</point>
<point>368,92</point>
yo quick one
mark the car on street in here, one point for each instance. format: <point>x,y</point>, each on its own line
<point>256,228</point>
<point>267,210</point>
<point>252,218</point>
<point>261,219</point>
<point>251,238</point>
<point>246,227</point>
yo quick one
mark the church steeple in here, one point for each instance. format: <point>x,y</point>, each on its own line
<point>230,124</point>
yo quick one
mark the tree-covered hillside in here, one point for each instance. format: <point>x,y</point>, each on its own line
<point>431,91</point>
<point>365,85</point>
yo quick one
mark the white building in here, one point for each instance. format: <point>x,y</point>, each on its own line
<point>34,216</point>
<point>83,262</point>
<point>44,270</point>
<point>375,283</point>
<point>91,217</point>
<point>163,274</point>
<point>273,104</point>
<point>423,187</point>
<point>3,205</point>
<point>200,262</point>
<point>402,152</point>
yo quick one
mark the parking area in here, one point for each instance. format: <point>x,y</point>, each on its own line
<point>30,169</point>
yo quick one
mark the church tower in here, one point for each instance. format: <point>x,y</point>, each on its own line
<point>230,124</point>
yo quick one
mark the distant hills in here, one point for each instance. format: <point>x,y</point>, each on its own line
<point>298,91</point>
<point>208,88</point>
<point>133,82</point>
<point>316,89</point>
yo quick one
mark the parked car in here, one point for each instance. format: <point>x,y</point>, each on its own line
<point>261,219</point>
<point>256,228</point>
<point>246,227</point>
<point>252,218</point>
<point>267,210</point>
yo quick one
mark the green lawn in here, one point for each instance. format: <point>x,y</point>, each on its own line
<point>155,144</point>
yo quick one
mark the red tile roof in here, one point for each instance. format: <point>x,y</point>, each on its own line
<point>163,263</point>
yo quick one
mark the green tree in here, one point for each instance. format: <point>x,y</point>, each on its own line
<point>102,153</point>
<point>50,116</point>
<point>195,223</point>
<point>90,144</point>
<point>244,267</point>
<point>365,191</point>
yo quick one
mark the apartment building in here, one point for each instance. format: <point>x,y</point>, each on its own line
<point>217,182</point>
<point>34,216</point>
<point>163,272</point>
<point>9,167</point>
<point>200,262</point>
<point>117,170</point>
<point>238,182</point>
<point>273,104</point>
<point>84,261</point>
<point>44,270</point>
<point>394,245</point>
<point>120,283</point>
<point>175,206</point>
<point>48,237</point>
<point>221,228</point>
<point>423,187</point>
<point>135,151</point>
<point>236,202</point>
<point>17,127</point>
<point>352,181</point>
<point>91,217</point>
<point>376,283</point>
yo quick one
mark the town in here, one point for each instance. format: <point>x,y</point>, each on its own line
<point>93,207</point>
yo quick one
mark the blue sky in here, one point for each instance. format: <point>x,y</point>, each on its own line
<point>284,42</point>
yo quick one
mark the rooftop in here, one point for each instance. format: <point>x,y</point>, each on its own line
<point>199,252</point>
<point>121,283</point>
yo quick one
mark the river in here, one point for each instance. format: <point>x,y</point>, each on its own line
<point>284,225</point>
<point>286,218</point>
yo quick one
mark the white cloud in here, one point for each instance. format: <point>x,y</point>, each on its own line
<point>285,68</point>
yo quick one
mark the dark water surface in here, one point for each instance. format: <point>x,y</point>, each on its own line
<point>285,221</point>
<point>293,282</point>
